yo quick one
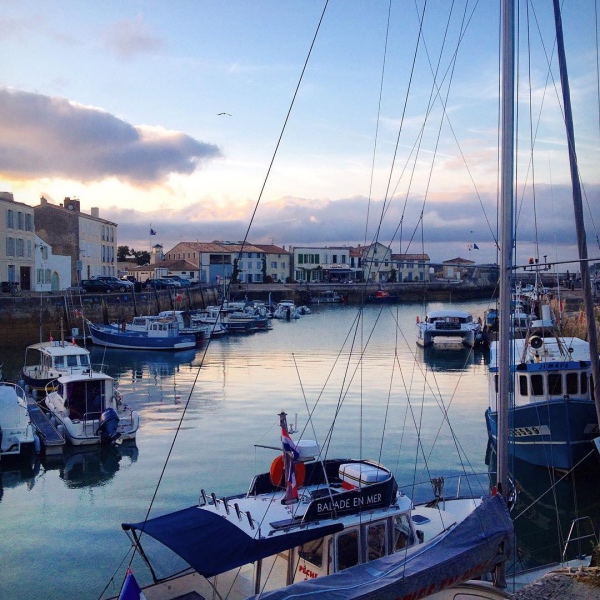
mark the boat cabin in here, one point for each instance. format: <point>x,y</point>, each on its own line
<point>85,399</point>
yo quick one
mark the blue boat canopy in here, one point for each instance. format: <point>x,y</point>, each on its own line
<point>186,533</point>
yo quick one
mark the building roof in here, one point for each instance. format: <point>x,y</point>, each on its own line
<point>271,249</point>
<point>458,261</point>
<point>217,247</point>
<point>171,265</point>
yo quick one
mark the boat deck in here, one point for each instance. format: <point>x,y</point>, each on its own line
<point>51,439</point>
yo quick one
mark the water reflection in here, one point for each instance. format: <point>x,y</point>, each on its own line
<point>134,363</point>
<point>91,466</point>
<point>547,504</point>
<point>452,357</point>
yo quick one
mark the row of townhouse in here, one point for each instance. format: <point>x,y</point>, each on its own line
<point>50,247</point>
<point>220,261</point>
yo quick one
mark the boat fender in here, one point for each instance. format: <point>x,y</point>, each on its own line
<point>276,472</point>
<point>536,342</point>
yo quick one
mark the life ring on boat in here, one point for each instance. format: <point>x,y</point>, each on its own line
<point>418,320</point>
<point>276,472</point>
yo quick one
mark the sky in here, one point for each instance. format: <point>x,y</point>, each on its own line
<point>298,123</point>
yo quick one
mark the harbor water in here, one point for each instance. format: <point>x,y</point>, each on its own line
<point>353,380</point>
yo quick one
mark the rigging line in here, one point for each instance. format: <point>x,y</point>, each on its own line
<point>401,124</point>
<point>287,117</point>
<point>387,33</point>
<point>572,470</point>
<point>531,140</point>
<point>183,413</point>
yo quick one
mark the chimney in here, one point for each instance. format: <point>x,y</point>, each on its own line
<point>95,212</point>
<point>7,196</point>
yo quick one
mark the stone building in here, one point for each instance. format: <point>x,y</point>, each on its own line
<point>90,241</point>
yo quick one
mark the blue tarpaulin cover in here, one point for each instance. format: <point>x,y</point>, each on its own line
<point>212,545</point>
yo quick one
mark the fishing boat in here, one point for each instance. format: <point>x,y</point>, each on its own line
<point>160,334</point>
<point>88,409</point>
<point>553,421</point>
<point>47,361</point>
<point>554,414</point>
<point>334,527</point>
<point>17,434</point>
<point>447,325</point>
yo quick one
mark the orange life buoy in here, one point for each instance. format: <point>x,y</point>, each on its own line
<point>276,472</point>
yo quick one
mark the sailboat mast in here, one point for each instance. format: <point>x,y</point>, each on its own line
<point>586,284</point>
<point>506,237</point>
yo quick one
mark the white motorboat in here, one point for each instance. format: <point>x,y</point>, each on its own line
<point>88,409</point>
<point>46,361</point>
<point>447,324</point>
<point>17,434</point>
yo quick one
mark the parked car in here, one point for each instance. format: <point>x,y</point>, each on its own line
<point>121,285</point>
<point>162,284</point>
<point>99,286</point>
<point>181,280</point>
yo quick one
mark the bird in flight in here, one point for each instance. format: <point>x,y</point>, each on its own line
<point>223,113</point>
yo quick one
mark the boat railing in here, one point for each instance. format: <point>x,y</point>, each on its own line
<point>577,525</point>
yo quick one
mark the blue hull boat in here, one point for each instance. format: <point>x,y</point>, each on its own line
<point>162,335</point>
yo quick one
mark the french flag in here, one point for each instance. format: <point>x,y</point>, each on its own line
<point>131,590</point>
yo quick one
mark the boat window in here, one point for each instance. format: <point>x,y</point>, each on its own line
<point>71,361</point>
<point>59,362</point>
<point>376,537</point>
<point>312,552</point>
<point>523,385</point>
<point>572,381</point>
<point>347,550</point>
<point>555,384</point>
<point>537,385</point>
<point>584,381</point>
<point>85,360</point>
<point>403,535</point>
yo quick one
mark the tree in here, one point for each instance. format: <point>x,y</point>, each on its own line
<point>122,253</point>
<point>142,257</point>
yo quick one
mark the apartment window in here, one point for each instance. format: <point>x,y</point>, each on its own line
<point>29,248</point>
<point>29,222</point>
<point>273,264</point>
<point>20,221</point>
<point>20,247</point>
<point>10,219</point>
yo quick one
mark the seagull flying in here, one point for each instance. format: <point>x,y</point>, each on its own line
<point>223,113</point>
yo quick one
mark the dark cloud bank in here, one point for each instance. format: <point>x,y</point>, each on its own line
<point>52,137</point>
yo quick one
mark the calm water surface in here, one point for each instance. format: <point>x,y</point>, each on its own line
<point>60,518</point>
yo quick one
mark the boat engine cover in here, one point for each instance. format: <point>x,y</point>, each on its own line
<point>109,422</point>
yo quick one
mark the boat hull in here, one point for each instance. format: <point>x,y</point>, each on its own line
<point>557,433</point>
<point>130,341</point>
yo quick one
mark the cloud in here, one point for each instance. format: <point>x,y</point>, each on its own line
<point>127,38</point>
<point>448,226</point>
<point>43,136</point>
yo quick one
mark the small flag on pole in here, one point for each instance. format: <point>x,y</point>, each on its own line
<point>475,247</point>
<point>131,590</point>
<point>152,232</point>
